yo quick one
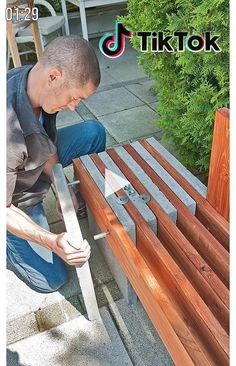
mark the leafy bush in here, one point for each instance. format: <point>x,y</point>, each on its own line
<point>190,86</point>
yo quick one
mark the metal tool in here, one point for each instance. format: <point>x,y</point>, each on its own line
<point>73,228</point>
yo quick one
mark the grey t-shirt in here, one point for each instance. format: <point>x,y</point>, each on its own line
<point>29,144</point>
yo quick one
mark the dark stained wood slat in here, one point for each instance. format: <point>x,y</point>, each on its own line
<point>203,241</point>
<point>181,345</point>
<point>211,219</point>
<point>190,305</point>
<point>208,285</point>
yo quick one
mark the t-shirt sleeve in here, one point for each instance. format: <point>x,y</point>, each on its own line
<point>16,151</point>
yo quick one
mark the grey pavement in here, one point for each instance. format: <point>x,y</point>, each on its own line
<point>52,329</point>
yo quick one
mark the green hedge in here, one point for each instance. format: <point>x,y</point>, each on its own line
<point>190,86</point>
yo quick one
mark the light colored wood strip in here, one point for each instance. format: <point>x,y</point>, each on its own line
<point>73,229</point>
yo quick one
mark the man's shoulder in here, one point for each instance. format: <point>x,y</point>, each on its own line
<point>16,77</point>
<point>17,71</point>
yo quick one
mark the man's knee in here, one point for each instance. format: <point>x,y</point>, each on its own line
<point>97,134</point>
<point>46,278</point>
<point>54,281</point>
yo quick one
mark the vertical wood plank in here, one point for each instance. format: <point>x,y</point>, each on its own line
<point>37,39</point>
<point>12,44</point>
<point>218,181</point>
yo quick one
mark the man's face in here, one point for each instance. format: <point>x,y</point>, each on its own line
<point>58,97</point>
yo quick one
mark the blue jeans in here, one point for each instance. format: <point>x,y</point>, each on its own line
<point>72,141</point>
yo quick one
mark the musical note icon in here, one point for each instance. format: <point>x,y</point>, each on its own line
<point>118,41</point>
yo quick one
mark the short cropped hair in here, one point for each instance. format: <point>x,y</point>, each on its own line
<point>76,57</point>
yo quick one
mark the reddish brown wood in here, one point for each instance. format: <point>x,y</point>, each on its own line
<point>208,285</point>
<point>203,324</point>
<point>218,181</point>
<point>180,343</point>
<point>204,242</point>
<point>214,222</point>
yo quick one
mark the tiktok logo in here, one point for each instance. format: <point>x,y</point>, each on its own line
<point>106,42</point>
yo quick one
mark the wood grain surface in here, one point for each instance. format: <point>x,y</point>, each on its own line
<point>218,181</point>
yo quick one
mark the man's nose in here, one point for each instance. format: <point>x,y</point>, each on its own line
<point>72,105</point>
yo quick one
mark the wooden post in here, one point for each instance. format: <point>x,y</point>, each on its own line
<point>11,33</point>
<point>12,44</point>
<point>218,180</point>
<point>37,39</point>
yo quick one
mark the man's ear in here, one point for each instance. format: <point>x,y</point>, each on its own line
<point>53,75</point>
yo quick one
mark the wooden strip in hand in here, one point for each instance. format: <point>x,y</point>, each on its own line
<point>203,241</point>
<point>73,229</point>
<point>218,181</point>
<point>181,345</point>
<point>189,304</point>
<point>211,289</point>
<point>214,222</point>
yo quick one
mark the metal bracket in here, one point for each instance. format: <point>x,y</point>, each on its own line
<point>122,200</point>
<point>131,195</point>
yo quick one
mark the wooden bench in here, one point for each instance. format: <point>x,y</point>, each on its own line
<point>180,273</point>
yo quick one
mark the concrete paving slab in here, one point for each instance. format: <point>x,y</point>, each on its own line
<point>154,106</point>
<point>130,124</point>
<point>110,141</point>
<point>111,101</point>
<point>127,70</point>
<point>143,343</point>
<point>67,117</point>
<point>21,299</point>
<point>142,91</point>
<point>58,313</point>
<point>84,112</point>
<point>78,342</point>
<point>106,79</point>
<point>21,328</point>
<point>55,314</point>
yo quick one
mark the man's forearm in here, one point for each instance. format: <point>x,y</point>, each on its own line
<point>21,225</point>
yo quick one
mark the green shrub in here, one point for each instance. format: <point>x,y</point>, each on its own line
<point>190,86</point>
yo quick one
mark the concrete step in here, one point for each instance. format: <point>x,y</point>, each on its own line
<point>77,342</point>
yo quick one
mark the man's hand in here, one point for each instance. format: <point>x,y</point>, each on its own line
<point>72,252</point>
<point>69,253</point>
<point>74,200</point>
